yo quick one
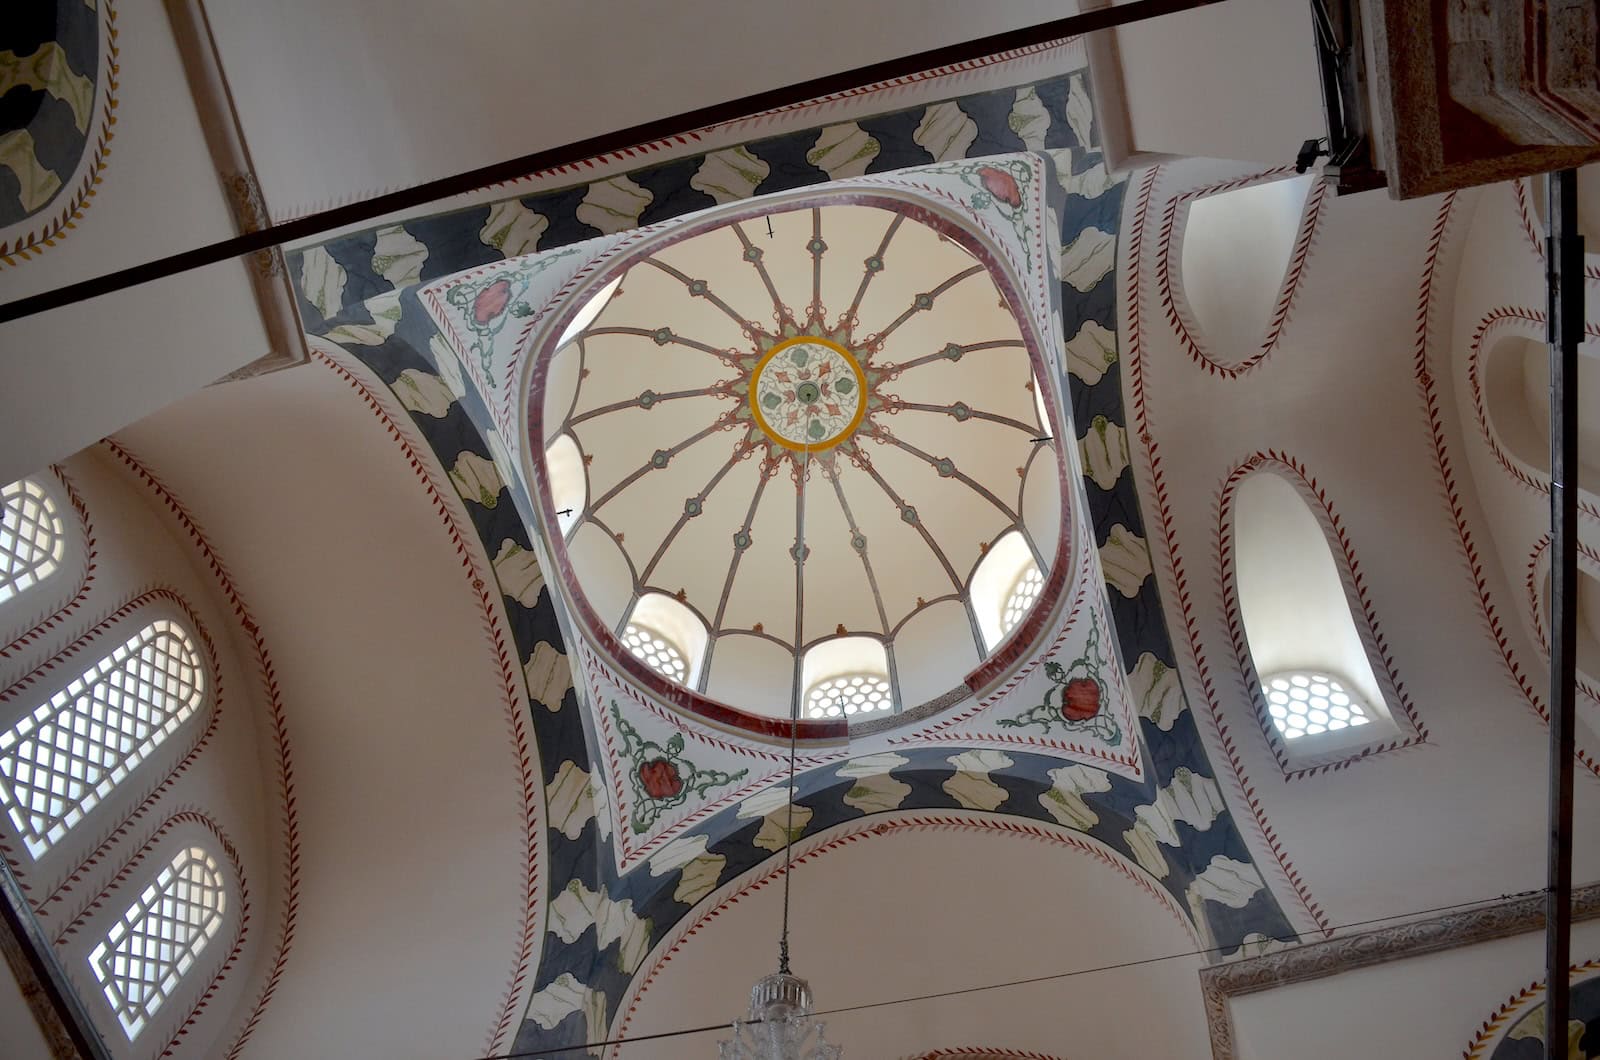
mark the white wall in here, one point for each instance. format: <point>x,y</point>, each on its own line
<point>73,376</point>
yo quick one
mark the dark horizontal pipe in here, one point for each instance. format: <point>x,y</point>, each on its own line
<point>554,158</point>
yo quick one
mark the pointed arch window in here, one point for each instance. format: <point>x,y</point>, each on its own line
<point>149,950</point>
<point>32,537</point>
<point>847,677</point>
<point>62,758</point>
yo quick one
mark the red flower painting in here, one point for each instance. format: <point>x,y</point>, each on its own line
<point>1082,699</point>
<point>491,302</point>
<point>660,778</point>
<point>1002,185</point>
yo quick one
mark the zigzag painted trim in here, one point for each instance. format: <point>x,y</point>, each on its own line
<point>1428,392</point>
<point>1496,318</point>
<point>485,591</point>
<point>1591,273</point>
<point>276,719</point>
<point>1490,1030</point>
<point>1536,608</point>
<point>66,219</point>
<point>1352,580</point>
<point>1162,519</point>
<point>866,828</point>
<point>86,578</point>
<point>1178,313</point>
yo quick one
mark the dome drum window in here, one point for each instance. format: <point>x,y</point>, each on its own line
<point>656,652</point>
<point>847,677</point>
<point>32,537</point>
<point>667,637</point>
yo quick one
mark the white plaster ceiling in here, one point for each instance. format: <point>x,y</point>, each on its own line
<point>1338,389</point>
<point>502,78</point>
<point>963,907</point>
<point>408,793</point>
<point>898,511</point>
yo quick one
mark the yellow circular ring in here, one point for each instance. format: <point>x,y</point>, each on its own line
<point>861,388</point>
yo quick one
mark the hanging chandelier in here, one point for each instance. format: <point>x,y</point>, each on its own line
<point>780,1025</point>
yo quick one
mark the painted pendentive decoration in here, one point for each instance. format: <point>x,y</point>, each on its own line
<point>663,778</point>
<point>58,76</point>
<point>1076,698</point>
<point>585,982</point>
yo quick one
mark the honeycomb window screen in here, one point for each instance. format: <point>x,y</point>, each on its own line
<point>1311,702</point>
<point>148,951</point>
<point>657,652</point>
<point>61,759</point>
<point>849,696</point>
<point>1024,594</point>
<point>32,537</point>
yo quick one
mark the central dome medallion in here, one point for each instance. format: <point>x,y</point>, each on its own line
<point>808,393</point>
<point>801,454</point>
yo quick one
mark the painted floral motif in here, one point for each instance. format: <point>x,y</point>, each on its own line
<point>1001,187</point>
<point>487,304</point>
<point>663,779</point>
<point>1077,699</point>
<point>808,393</point>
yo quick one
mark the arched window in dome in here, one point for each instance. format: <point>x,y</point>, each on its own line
<point>1316,680</point>
<point>148,951</point>
<point>667,637</point>
<point>32,536</point>
<point>846,677</point>
<point>569,485</point>
<point>58,761</point>
<point>1005,586</point>
<point>586,316</point>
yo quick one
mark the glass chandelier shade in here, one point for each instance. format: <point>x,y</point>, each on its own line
<point>780,1026</point>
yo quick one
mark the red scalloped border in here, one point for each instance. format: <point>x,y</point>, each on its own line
<point>1496,1023</point>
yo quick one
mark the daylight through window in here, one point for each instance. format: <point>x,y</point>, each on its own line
<point>148,951</point>
<point>61,759</point>
<point>32,537</point>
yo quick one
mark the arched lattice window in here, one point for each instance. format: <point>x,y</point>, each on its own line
<point>846,677</point>
<point>1004,587</point>
<point>657,652</point>
<point>847,695</point>
<point>1024,593</point>
<point>62,758</point>
<point>155,943</point>
<point>667,637</point>
<point>1309,702</point>
<point>32,537</point>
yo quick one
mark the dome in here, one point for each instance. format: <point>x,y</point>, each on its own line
<point>790,443</point>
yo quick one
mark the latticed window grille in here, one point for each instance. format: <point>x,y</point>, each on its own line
<point>849,695</point>
<point>32,537</point>
<point>1024,594</point>
<point>148,951</point>
<point>59,761</point>
<point>1307,703</point>
<point>657,652</point>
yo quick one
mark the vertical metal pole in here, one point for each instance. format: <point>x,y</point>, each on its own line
<point>1564,280</point>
